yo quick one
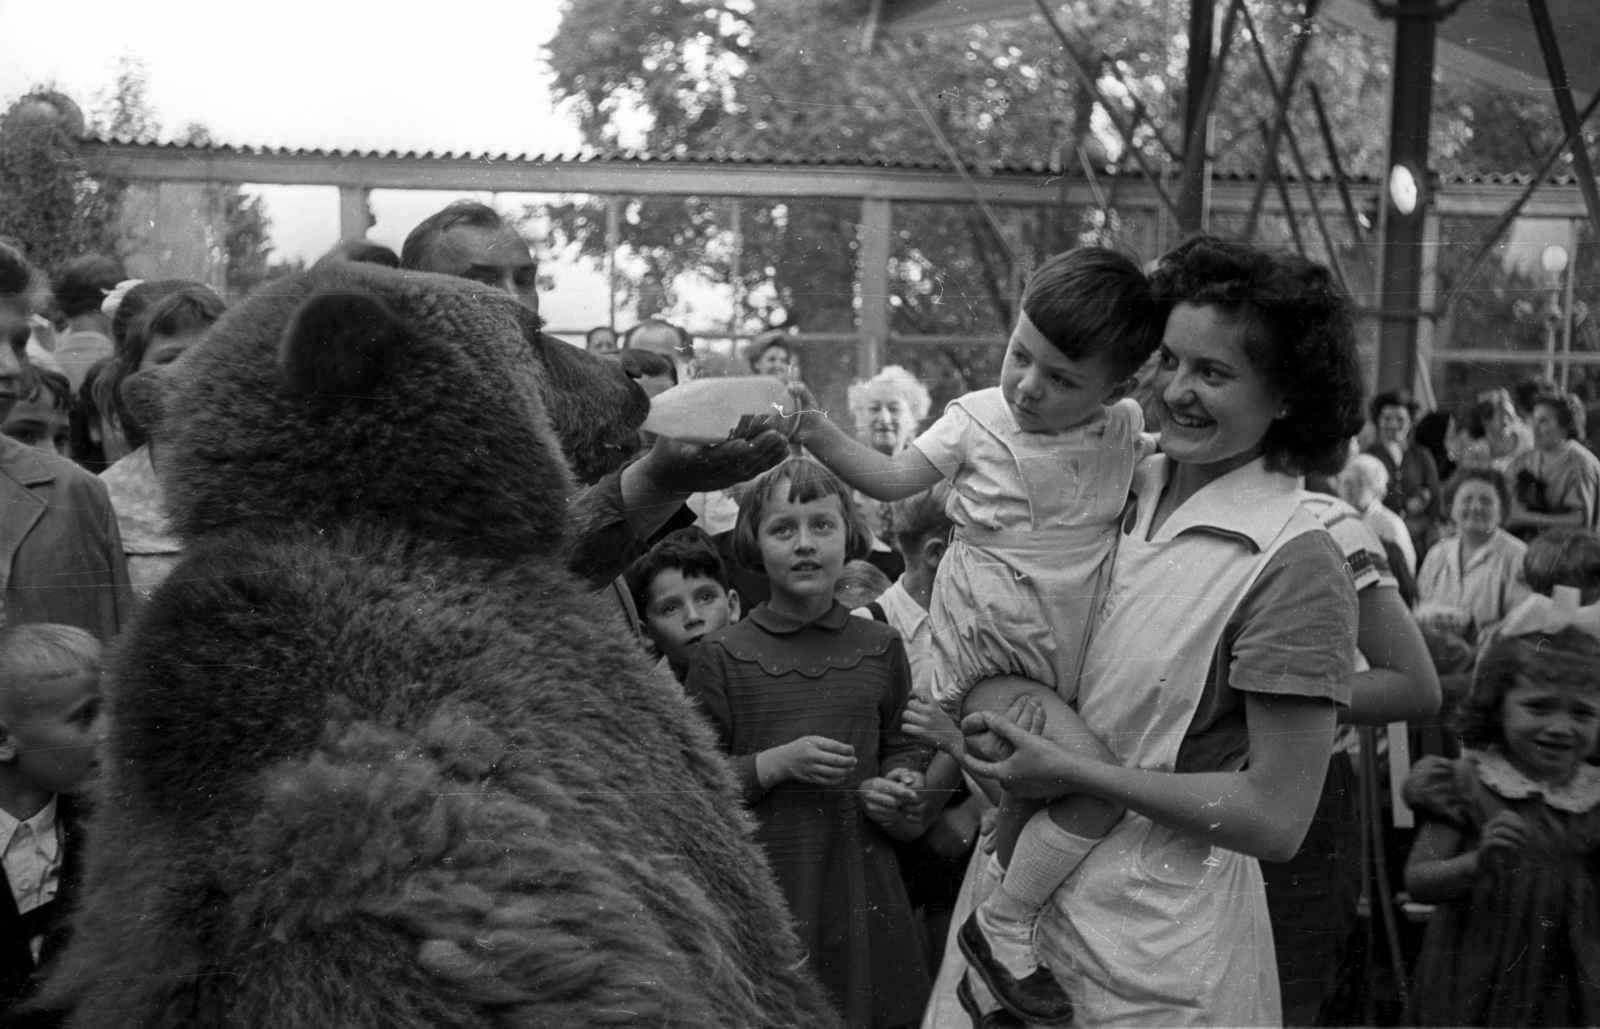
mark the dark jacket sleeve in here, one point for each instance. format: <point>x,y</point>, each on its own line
<point>601,543</point>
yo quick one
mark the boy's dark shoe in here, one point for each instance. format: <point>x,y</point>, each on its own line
<point>1036,999</point>
<point>999,1018</point>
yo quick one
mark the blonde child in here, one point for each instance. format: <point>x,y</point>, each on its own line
<point>1511,831</point>
<point>1040,468</point>
<point>807,701</point>
<point>50,730</point>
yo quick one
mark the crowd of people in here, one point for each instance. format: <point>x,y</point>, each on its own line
<point>1043,713</point>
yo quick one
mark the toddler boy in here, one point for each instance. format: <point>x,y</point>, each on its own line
<point>681,590</point>
<point>50,731</point>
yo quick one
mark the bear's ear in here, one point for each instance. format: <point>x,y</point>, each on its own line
<point>341,344</point>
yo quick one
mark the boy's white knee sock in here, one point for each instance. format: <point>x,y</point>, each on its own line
<point>1045,855</point>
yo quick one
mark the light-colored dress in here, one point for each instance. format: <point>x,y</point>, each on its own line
<point>1484,587</point>
<point>1157,926</point>
<point>147,540</point>
<point>1036,516</point>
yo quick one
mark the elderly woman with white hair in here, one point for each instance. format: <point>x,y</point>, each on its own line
<point>1363,484</point>
<point>887,410</point>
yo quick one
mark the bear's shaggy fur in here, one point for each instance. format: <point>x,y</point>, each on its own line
<point>375,758</point>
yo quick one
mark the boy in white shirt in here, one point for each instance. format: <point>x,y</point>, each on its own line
<point>50,732</point>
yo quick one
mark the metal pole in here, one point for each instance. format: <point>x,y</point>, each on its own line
<point>1566,307</point>
<point>1283,195</point>
<point>1400,279</point>
<point>613,243</point>
<point>1326,129</point>
<point>1569,113</point>
<point>1191,173</point>
<point>1291,76</point>
<point>1299,160</point>
<point>1080,64</point>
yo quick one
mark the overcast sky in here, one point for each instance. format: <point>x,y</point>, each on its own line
<point>333,74</point>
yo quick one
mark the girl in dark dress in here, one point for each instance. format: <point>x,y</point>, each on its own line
<point>1511,834</point>
<point>807,701</point>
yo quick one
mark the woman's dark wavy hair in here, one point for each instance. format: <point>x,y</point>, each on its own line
<point>1300,336</point>
<point>1569,657</point>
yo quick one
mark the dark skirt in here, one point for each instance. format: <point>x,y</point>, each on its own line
<point>1312,897</point>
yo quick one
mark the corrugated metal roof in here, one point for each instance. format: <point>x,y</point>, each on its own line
<point>734,157</point>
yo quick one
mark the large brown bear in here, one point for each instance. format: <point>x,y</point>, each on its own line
<point>376,759</point>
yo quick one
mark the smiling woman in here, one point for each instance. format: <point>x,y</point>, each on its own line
<point>1219,656</point>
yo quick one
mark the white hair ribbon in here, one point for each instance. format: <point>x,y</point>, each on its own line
<point>1549,615</point>
<point>113,300</point>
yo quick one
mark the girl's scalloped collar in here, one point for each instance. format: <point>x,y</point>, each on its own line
<point>1577,795</point>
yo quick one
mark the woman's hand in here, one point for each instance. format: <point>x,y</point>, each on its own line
<point>813,759</point>
<point>1026,712</point>
<point>1035,767</point>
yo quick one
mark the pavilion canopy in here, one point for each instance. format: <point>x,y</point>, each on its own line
<point>1490,41</point>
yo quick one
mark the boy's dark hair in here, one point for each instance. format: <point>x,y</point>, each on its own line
<point>1096,303</point>
<point>1563,557</point>
<point>1392,398</point>
<point>1489,475</point>
<point>44,650</point>
<point>83,282</point>
<point>639,364</point>
<point>917,517</point>
<point>36,380</point>
<point>18,277</point>
<point>1299,336</point>
<point>1568,409</point>
<point>1569,657</point>
<point>415,250</point>
<point>689,551</point>
<point>808,480</point>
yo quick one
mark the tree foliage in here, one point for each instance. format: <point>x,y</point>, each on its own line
<point>724,78</point>
<point>49,200</point>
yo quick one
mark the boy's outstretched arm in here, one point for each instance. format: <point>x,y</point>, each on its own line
<point>879,476</point>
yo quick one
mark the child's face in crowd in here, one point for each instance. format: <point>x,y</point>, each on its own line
<point>53,731</point>
<point>14,333</point>
<point>1047,390</point>
<point>680,610</point>
<point>773,361</point>
<point>802,544</point>
<point>1550,727</point>
<point>39,423</point>
<point>164,349</point>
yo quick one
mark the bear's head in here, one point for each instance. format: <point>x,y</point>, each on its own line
<point>427,404</point>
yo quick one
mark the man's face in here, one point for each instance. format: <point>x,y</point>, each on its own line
<point>494,257</point>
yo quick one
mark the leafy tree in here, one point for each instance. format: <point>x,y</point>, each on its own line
<point>49,200</point>
<point>723,78</point>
